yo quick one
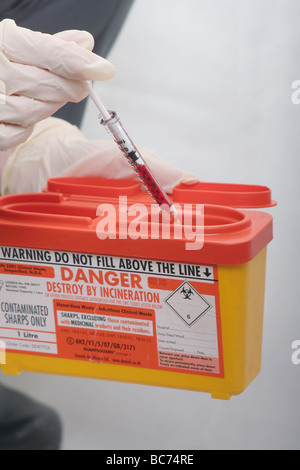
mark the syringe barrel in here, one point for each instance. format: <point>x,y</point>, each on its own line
<point>135,158</point>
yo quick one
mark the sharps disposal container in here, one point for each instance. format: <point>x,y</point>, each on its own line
<point>95,284</point>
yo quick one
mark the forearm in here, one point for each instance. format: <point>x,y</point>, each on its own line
<point>58,149</point>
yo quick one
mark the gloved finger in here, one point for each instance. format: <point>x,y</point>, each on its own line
<point>16,134</point>
<point>52,53</point>
<point>168,174</point>
<point>106,160</point>
<point>82,38</point>
<point>36,83</point>
<point>25,112</point>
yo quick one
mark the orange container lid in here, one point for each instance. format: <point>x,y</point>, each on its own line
<point>233,195</point>
<point>94,187</point>
<point>243,196</point>
<point>66,215</point>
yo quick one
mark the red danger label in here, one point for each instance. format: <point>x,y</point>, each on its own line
<point>130,312</point>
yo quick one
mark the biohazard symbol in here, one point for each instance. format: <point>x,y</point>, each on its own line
<point>187,293</point>
<point>190,312</point>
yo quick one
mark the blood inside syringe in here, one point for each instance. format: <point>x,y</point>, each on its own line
<point>130,151</point>
<point>162,200</point>
<point>113,125</point>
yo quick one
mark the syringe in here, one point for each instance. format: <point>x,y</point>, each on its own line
<point>112,123</point>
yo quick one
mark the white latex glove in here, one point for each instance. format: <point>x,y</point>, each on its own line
<point>58,149</point>
<point>40,73</point>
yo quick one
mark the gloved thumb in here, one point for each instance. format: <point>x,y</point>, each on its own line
<point>82,38</point>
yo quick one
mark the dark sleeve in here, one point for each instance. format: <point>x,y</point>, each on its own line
<point>102,18</point>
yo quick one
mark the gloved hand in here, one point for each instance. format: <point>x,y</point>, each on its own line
<point>40,73</point>
<point>58,149</point>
